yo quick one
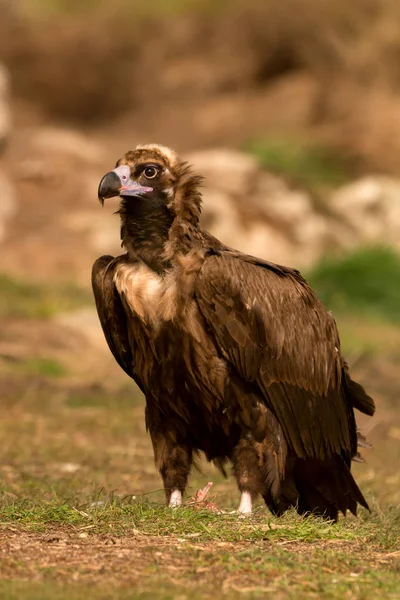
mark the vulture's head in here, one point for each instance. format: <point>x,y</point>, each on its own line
<point>153,175</point>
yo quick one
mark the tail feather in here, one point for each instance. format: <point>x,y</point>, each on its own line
<point>334,481</point>
<point>324,488</point>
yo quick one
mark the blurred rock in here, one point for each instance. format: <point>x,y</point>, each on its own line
<point>8,198</point>
<point>68,141</point>
<point>56,171</point>
<point>371,206</point>
<point>8,203</point>
<point>5,110</point>
<point>50,152</point>
<point>60,228</point>
<point>259,213</point>
<point>224,168</point>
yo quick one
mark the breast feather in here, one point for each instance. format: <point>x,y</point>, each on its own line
<point>151,297</point>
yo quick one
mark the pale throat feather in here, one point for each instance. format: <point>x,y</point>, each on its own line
<point>152,297</point>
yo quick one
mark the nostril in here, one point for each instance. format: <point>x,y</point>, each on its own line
<point>123,172</point>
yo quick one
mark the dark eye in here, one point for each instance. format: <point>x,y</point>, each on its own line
<point>150,172</point>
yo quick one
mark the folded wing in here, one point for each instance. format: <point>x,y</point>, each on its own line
<point>270,326</point>
<point>112,314</point>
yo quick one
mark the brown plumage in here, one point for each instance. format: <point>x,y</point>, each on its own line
<point>236,356</point>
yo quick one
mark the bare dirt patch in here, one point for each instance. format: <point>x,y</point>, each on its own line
<point>68,556</point>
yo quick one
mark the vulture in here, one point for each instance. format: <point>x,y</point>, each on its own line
<point>236,356</point>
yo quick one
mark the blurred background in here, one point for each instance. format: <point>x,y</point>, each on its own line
<point>292,112</point>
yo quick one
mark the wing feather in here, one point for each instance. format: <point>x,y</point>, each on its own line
<point>112,314</point>
<point>269,324</point>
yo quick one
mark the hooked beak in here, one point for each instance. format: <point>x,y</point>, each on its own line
<point>119,183</point>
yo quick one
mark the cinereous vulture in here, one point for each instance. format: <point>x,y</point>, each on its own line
<point>236,356</point>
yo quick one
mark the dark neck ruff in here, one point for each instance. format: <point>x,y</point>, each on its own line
<point>145,224</point>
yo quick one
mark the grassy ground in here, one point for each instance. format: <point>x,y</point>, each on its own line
<point>82,514</point>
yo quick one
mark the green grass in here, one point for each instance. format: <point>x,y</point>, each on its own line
<point>19,298</point>
<point>123,516</point>
<point>47,367</point>
<point>365,282</point>
<point>202,552</point>
<point>309,165</point>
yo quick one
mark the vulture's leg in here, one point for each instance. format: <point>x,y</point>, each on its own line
<point>246,504</point>
<point>175,469</point>
<point>175,498</point>
<point>248,474</point>
<point>173,460</point>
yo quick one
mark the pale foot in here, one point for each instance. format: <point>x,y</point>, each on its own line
<point>245,506</point>
<point>175,498</point>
